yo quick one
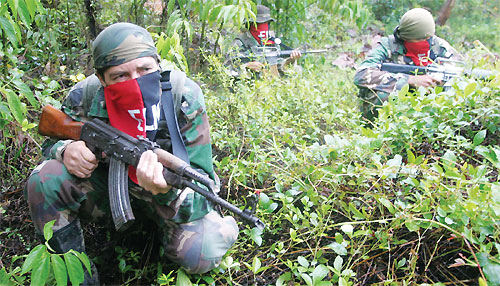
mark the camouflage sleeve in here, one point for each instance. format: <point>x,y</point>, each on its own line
<point>368,74</point>
<point>447,51</point>
<point>196,132</point>
<point>237,54</point>
<point>240,49</point>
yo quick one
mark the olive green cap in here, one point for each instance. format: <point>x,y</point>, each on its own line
<point>416,24</point>
<point>121,43</point>
<point>263,14</point>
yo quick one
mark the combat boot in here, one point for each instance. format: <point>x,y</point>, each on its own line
<point>71,237</point>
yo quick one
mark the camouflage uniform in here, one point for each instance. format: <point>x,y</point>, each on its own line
<point>242,51</point>
<point>194,235</point>
<point>376,85</point>
<point>241,47</point>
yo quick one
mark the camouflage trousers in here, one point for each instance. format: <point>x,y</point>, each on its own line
<point>54,194</point>
<point>371,101</point>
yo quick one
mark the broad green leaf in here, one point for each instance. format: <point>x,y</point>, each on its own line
<point>437,168</point>
<point>47,230</point>
<point>283,278</point>
<point>491,269</point>
<point>479,137</point>
<point>256,235</point>
<point>13,5</point>
<point>24,13</point>
<point>307,279</point>
<point>338,248</point>
<point>449,157</point>
<point>205,11</point>
<point>319,273</point>
<point>256,264</point>
<point>41,270</point>
<point>214,14</point>
<point>396,161</point>
<point>303,261</point>
<point>401,262</point>
<point>59,269</point>
<point>170,6</point>
<point>75,269</point>
<point>264,200</point>
<point>26,92</point>
<point>5,278</point>
<point>329,139</point>
<point>448,220</point>
<point>388,205</point>
<point>337,263</point>
<point>469,89</point>
<point>404,90</point>
<point>9,31</point>
<point>15,104</point>
<point>31,5</point>
<point>84,259</point>
<point>347,229</point>
<point>357,214</point>
<point>495,192</point>
<point>122,266</point>
<point>411,157</point>
<point>33,258</point>
<point>182,279</point>
<point>411,225</point>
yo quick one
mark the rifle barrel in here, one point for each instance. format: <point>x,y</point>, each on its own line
<point>288,52</point>
<point>400,68</point>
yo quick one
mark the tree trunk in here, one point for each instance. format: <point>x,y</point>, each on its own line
<point>91,19</point>
<point>445,12</point>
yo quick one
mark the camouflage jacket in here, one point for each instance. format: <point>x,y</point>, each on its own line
<point>85,101</point>
<point>388,49</point>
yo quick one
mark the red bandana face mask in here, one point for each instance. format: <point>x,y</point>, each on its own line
<point>261,33</point>
<point>418,52</point>
<point>134,107</point>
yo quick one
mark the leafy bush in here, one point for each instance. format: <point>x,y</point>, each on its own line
<point>47,267</point>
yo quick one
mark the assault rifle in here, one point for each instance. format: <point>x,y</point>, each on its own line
<point>270,54</point>
<point>122,150</point>
<point>442,70</point>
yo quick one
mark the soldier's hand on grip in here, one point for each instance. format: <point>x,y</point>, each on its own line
<point>150,174</point>
<point>79,160</point>
<point>422,80</point>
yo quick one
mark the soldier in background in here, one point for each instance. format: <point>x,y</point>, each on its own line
<point>412,43</point>
<point>258,34</point>
<point>71,184</point>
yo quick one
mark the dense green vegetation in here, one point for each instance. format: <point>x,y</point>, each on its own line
<point>413,199</point>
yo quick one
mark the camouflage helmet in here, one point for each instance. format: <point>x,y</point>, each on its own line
<point>121,43</point>
<point>416,24</point>
<point>263,14</point>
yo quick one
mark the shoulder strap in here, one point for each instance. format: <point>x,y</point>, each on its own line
<point>167,102</point>
<point>177,80</point>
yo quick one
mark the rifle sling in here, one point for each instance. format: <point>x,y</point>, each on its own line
<point>167,102</point>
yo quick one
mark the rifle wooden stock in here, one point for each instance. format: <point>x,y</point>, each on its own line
<point>55,123</point>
